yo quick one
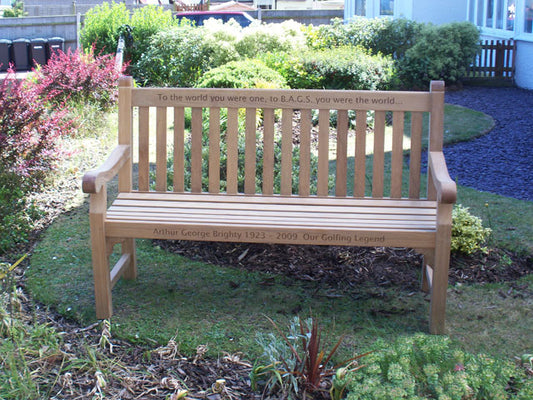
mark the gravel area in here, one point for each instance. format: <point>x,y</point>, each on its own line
<point>501,161</point>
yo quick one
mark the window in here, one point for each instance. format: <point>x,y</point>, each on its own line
<point>500,14</point>
<point>489,20</point>
<point>510,15</point>
<point>528,16</point>
<point>480,12</point>
<point>386,7</point>
<point>360,7</point>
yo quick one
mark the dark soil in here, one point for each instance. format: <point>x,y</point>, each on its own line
<point>346,267</point>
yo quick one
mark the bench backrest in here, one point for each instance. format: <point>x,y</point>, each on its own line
<point>345,143</point>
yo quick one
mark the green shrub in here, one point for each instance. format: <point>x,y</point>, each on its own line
<point>269,38</point>
<point>16,10</point>
<point>468,233</point>
<point>17,213</point>
<point>242,74</point>
<point>422,52</point>
<point>292,68</point>
<point>428,367</point>
<point>380,35</point>
<point>176,56</point>
<point>338,68</point>
<point>442,52</point>
<point>145,22</point>
<point>102,25</point>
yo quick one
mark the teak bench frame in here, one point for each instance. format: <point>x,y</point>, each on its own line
<point>422,222</point>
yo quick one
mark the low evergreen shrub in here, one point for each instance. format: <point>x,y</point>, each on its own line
<point>468,233</point>
<point>422,52</point>
<point>441,52</point>
<point>243,75</point>
<point>429,367</point>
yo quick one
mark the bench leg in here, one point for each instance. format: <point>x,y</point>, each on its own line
<point>128,247</point>
<point>101,273</point>
<point>428,260</point>
<point>440,270</point>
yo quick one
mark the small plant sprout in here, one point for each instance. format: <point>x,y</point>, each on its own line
<point>105,336</point>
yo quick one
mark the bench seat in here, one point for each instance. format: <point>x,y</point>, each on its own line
<point>273,219</point>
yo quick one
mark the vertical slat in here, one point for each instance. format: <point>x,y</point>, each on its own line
<point>268,151</point>
<point>214,150</point>
<point>342,153</point>
<point>378,168</point>
<point>436,126</point>
<point>249,152</point>
<point>161,150</point>
<point>179,149</point>
<point>286,152</point>
<point>415,155</point>
<point>144,145</point>
<point>360,154</point>
<point>305,153</point>
<point>196,150</point>
<point>232,137</point>
<point>397,154</point>
<point>125,121</point>
<point>323,152</point>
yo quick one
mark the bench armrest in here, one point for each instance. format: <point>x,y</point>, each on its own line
<point>445,187</point>
<point>94,180</point>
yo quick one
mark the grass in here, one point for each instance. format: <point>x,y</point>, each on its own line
<point>225,307</point>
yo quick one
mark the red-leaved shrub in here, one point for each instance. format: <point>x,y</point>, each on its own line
<point>28,131</point>
<point>80,77</point>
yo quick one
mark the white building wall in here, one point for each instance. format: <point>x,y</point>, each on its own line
<point>523,63</point>
<point>439,11</point>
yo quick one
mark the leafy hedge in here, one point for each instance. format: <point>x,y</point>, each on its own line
<point>422,52</point>
<point>398,53</point>
<point>336,68</point>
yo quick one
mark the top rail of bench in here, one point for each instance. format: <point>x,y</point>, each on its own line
<point>279,99</point>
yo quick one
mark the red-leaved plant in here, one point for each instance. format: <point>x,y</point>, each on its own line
<point>80,77</point>
<point>307,364</point>
<point>28,131</point>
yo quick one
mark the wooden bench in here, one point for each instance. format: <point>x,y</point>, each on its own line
<point>383,203</point>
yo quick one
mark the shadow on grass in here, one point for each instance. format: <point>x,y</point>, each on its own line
<point>223,307</point>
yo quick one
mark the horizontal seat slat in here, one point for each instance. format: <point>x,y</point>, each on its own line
<point>275,199</point>
<point>168,206</point>
<point>266,220</point>
<point>117,211</point>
